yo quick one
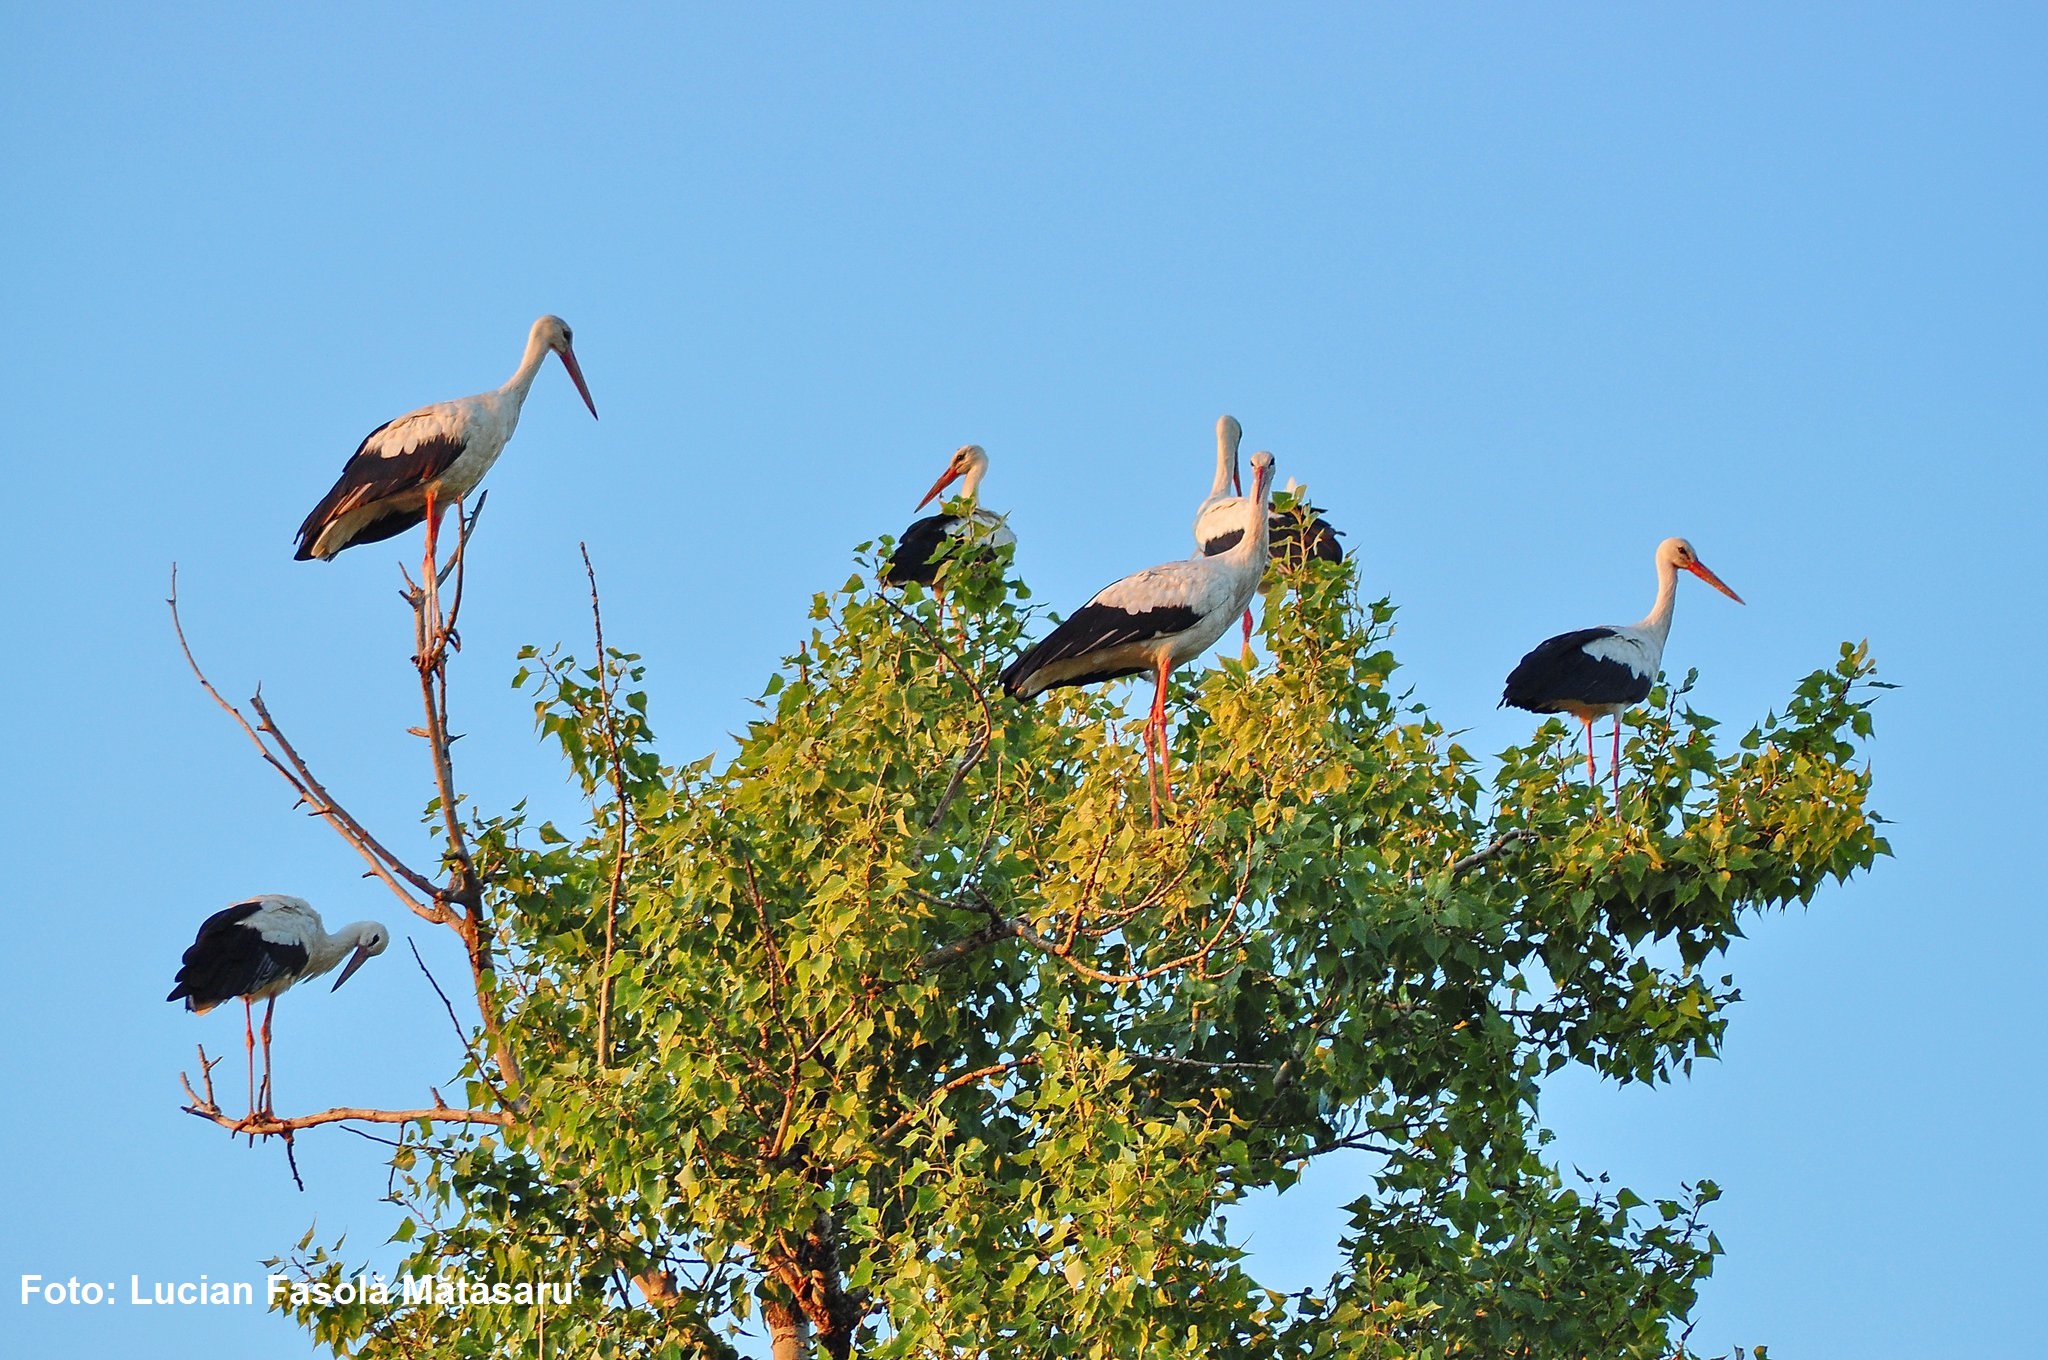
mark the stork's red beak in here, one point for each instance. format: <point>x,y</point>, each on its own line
<point>1699,569</point>
<point>583,389</point>
<point>355,962</point>
<point>946,479</point>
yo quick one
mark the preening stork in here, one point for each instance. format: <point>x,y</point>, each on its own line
<point>1301,534</point>
<point>410,469</point>
<point>256,949</point>
<point>1598,672</point>
<point>1219,519</point>
<point>916,551</point>
<point>1158,619</point>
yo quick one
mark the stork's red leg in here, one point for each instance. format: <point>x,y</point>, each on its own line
<point>1592,770</point>
<point>1165,665</point>
<point>1247,630</point>
<point>433,533</point>
<point>1614,765</point>
<point>1151,773</point>
<point>249,1039</point>
<point>268,1007</point>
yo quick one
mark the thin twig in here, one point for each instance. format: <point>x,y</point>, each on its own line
<point>902,1125</point>
<point>475,1058</point>
<point>611,742</point>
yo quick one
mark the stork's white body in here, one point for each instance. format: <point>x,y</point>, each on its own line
<point>1154,620</point>
<point>1170,614</point>
<point>1595,673</point>
<point>294,946</point>
<point>478,427</point>
<point>433,456</point>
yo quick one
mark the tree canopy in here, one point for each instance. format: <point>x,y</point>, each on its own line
<point>903,1027</point>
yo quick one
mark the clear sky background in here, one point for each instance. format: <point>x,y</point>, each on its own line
<point>1519,290</point>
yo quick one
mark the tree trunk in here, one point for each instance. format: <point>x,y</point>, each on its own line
<point>789,1331</point>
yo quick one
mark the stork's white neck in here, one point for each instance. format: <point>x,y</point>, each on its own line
<point>329,950</point>
<point>970,482</point>
<point>1227,435</point>
<point>1258,524</point>
<point>517,386</point>
<point>1657,623</point>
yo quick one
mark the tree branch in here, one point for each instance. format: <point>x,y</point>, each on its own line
<point>286,760</point>
<point>611,741</point>
<point>902,1125</point>
<point>273,1126</point>
<point>1493,849</point>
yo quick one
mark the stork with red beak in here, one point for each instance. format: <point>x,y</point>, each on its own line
<point>1595,673</point>
<point>411,469</point>
<point>917,553</point>
<point>1160,618</point>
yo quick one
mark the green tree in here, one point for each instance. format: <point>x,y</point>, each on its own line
<point>904,1029</point>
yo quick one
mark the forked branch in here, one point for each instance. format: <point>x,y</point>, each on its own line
<point>285,759</point>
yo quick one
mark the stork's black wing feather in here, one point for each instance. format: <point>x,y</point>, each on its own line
<point>230,959</point>
<point>1097,628</point>
<point>1295,544</point>
<point>367,478</point>
<point>1560,671</point>
<point>912,560</point>
<point>1222,543</point>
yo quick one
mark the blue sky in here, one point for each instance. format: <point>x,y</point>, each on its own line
<point>1519,291</point>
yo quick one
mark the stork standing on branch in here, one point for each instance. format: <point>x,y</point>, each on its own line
<point>1597,672</point>
<point>917,551</point>
<point>256,949</point>
<point>410,469</point>
<point>1153,621</point>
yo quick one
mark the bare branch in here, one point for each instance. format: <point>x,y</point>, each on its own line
<point>462,1034</point>
<point>287,762</point>
<point>611,741</point>
<point>1493,849</point>
<point>272,1126</point>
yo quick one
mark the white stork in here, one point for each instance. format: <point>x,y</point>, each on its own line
<point>915,552</point>
<point>1302,535</point>
<point>1597,672</point>
<point>256,949</point>
<point>1294,537</point>
<point>1153,621</point>
<point>410,469</point>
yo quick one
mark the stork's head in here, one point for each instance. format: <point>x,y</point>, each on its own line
<point>1676,553</point>
<point>1262,476</point>
<point>368,939</point>
<point>969,461</point>
<point>556,335</point>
